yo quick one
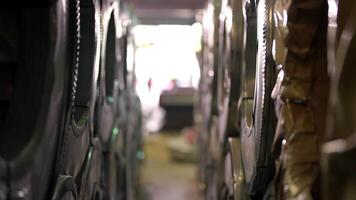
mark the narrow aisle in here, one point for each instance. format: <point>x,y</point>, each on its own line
<point>162,177</point>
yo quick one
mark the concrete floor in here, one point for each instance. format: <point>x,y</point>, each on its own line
<point>163,178</point>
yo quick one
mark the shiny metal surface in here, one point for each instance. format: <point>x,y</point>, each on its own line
<point>239,190</point>
<point>339,150</point>
<point>257,116</point>
<point>62,45</point>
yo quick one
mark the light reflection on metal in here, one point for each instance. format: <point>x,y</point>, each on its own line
<point>345,41</point>
<point>228,13</point>
<point>211,73</point>
<point>340,145</point>
<point>115,131</point>
<point>207,19</point>
<point>285,18</point>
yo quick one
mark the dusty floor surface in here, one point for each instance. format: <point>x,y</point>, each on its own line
<point>165,179</point>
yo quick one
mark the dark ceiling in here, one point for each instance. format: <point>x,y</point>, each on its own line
<point>169,4</point>
<point>167,11</point>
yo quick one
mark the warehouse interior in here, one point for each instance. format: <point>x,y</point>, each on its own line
<point>178,100</point>
<point>168,41</point>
